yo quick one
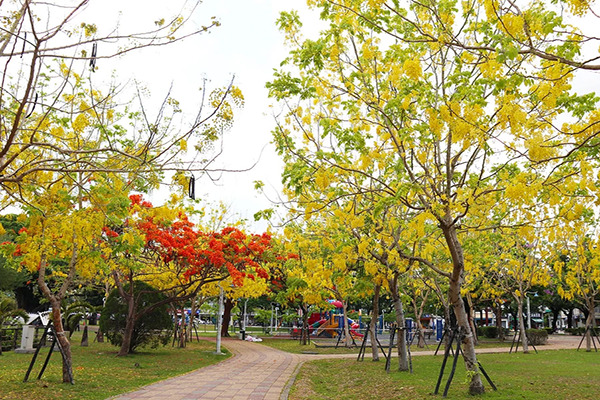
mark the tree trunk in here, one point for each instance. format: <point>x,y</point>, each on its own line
<point>448,322</point>
<point>373,323</point>
<point>304,331</point>
<point>589,325</point>
<point>226,317</point>
<point>348,338</point>
<point>499,326</point>
<point>456,279</point>
<point>420,334</point>
<point>55,300</point>
<point>129,298</point>
<point>183,327</point>
<point>129,326</point>
<point>471,315</point>
<point>570,318</point>
<point>555,315</point>
<point>67,365</point>
<point>401,323</point>
<point>190,336</point>
<point>522,324</point>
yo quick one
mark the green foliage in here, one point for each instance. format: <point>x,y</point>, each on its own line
<point>151,330</point>
<point>9,312</point>
<point>537,336</point>
<point>73,313</point>
<point>575,331</point>
<point>10,278</point>
<point>262,316</point>
<point>490,332</point>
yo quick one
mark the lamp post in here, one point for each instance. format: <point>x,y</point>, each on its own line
<point>219,322</point>
<point>244,320</point>
<point>528,313</point>
<point>271,323</point>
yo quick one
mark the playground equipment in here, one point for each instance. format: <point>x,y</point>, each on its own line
<point>331,324</point>
<point>331,327</point>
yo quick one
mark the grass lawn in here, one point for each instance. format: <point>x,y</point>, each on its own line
<point>551,374</point>
<point>98,372</point>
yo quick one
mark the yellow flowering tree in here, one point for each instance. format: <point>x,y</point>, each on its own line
<point>577,269</point>
<point>60,240</point>
<point>429,103</point>
<point>69,152</point>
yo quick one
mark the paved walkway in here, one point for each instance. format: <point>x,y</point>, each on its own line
<point>258,372</point>
<point>255,372</point>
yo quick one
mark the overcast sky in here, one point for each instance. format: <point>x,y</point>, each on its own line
<point>247,45</point>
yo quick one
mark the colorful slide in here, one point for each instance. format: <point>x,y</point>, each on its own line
<point>353,329</point>
<point>327,329</point>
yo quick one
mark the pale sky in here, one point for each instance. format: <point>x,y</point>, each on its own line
<point>247,45</point>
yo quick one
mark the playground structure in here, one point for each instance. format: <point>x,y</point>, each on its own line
<point>331,324</point>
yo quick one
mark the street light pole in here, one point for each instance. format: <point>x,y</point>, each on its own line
<point>245,315</point>
<point>528,313</point>
<point>219,322</point>
<point>271,324</point>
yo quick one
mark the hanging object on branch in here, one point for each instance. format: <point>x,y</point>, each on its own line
<point>192,188</point>
<point>94,53</point>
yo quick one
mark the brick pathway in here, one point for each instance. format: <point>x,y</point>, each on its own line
<point>257,372</point>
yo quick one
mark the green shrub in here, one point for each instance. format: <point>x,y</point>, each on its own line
<point>490,332</point>
<point>549,330</point>
<point>151,330</point>
<point>536,337</point>
<point>575,331</point>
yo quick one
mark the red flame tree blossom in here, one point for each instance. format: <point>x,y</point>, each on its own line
<point>179,257</point>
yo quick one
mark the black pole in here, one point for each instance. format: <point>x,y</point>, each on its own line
<point>533,345</point>
<point>410,368</point>
<point>381,347</point>
<point>487,376</point>
<point>197,336</point>
<point>440,343</point>
<point>582,338</point>
<point>62,352</point>
<point>339,338</point>
<point>388,359</point>
<point>361,353</point>
<point>47,359</point>
<point>446,354</point>
<point>453,370</point>
<point>37,351</point>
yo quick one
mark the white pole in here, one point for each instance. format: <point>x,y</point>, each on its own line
<point>271,324</point>
<point>245,316</point>
<point>276,324</point>
<point>219,317</point>
<point>528,314</point>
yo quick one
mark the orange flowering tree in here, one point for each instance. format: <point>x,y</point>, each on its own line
<point>159,245</point>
